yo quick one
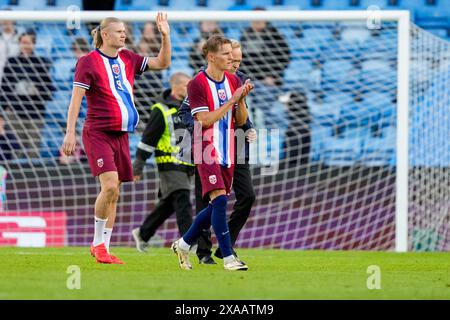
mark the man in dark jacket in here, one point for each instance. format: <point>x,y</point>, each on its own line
<point>242,180</point>
<point>174,175</point>
<point>26,88</point>
<point>266,52</point>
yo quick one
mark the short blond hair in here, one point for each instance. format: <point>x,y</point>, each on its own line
<point>235,44</point>
<point>96,32</point>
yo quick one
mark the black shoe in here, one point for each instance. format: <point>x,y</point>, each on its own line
<point>218,253</point>
<point>207,260</point>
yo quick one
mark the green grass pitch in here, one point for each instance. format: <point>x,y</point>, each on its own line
<point>27,273</point>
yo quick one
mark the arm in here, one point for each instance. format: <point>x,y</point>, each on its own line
<point>184,115</point>
<point>207,119</point>
<point>74,109</point>
<point>241,114</point>
<point>162,61</point>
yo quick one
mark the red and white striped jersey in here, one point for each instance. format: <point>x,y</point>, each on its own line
<point>109,88</point>
<point>205,94</point>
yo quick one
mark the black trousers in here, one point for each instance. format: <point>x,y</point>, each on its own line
<point>179,202</point>
<point>245,197</point>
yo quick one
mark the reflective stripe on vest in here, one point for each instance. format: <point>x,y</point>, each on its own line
<point>167,142</point>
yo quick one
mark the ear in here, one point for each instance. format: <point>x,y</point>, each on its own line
<point>211,57</point>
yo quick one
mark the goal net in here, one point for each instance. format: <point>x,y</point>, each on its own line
<point>327,166</point>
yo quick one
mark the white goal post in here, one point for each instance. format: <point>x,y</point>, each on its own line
<point>401,18</point>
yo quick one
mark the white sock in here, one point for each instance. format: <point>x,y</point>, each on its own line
<point>228,259</point>
<point>107,236</point>
<point>99,228</point>
<point>183,245</point>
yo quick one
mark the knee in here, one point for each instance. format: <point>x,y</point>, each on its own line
<point>220,201</point>
<point>111,190</point>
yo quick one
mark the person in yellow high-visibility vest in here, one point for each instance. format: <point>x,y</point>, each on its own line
<point>174,175</point>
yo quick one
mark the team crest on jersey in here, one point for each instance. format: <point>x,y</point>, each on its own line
<point>115,68</point>
<point>222,94</point>
<point>100,162</point>
<point>213,179</point>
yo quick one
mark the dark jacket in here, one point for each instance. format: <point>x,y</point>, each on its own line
<point>26,85</point>
<point>266,53</point>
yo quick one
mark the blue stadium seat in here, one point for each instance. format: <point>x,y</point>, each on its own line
<point>57,108</point>
<point>378,74</point>
<point>358,114</point>
<point>336,70</point>
<point>324,114</point>
<point>184,5</point>
<point>3,4</point>
<point>382,4</point>
<point>354,34</point>
<point>319,35</point>
<point>62,72</point>
<point>320,136</point>
<point>436,16</point>
<point>380,151</point>
<point>380,102</point>
<point>298,71</point>
<point>44,45</point>
<point>342,152</point>
<point>259,3</point>
<point>219,4</point>
<point>180,65</point>
<point>52,138</point>
<point>29,5</point>
<point>135,4</point>
<point>442,33</point>
<point>301,4</point>
<point>338,5</point>
<point>63,4</point>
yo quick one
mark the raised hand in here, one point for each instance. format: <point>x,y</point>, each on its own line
<point>162,23</point>
<point>243,91</point>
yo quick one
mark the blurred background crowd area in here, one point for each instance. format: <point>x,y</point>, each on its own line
<point>329,87</point>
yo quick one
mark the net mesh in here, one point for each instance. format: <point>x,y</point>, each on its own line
<point>329,88</point>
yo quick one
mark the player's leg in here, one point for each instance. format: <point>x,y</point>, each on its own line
<point>100,154</point>
<point>111,220</point>
<point>204,241</point>
<point>245,197</point>
<point>220,226</point>
<point>203,219</point>
<point>122,161</point>
<point>109,193</point>
<point>182,246</point>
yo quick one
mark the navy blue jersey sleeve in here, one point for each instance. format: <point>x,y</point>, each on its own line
<point>185,116</point>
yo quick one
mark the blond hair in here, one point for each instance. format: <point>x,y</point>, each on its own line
<point>96,32</point>
<point>235,44</point>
